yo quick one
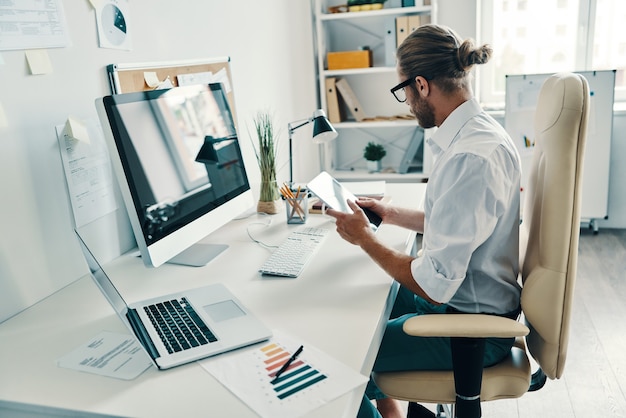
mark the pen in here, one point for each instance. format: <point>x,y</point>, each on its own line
<point>288,363</point>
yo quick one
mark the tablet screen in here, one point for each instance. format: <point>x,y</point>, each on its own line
<point>336,196</point>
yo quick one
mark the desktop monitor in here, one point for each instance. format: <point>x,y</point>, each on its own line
<point>176,156</point>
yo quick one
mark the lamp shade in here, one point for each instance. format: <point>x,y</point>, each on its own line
<point>323,131</point>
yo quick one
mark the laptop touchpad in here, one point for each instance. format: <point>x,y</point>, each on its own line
<point>223,311</point>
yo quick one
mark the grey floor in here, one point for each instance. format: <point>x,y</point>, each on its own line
<point>594,381</point>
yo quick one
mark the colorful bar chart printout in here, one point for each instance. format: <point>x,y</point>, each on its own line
<point>312,379</point>
<point>296,378</point>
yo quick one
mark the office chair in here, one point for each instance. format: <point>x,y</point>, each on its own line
<point>549,234</point>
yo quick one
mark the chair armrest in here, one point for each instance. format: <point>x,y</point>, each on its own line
<point>464,325</point>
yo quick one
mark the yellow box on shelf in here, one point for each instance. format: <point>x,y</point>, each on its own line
<point>349,59</point>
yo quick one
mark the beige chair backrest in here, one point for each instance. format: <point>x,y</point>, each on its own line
<point>551,218</point>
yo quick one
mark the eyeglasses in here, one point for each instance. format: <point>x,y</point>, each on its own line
<point>398,91</point>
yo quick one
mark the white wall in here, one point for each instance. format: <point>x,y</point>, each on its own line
<point>271,48</point>
<point>270,45</point>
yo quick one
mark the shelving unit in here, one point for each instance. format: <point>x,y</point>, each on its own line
<point>385,123</point>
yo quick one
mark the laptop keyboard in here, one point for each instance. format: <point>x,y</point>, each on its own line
<point>295,252</point>
<point>178,325</point>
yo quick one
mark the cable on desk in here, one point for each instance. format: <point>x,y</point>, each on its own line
<point>250,212</point>
<point>265,224</point>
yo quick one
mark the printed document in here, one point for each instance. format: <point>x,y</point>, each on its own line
<point>109,354</point>
<point>312,379</point>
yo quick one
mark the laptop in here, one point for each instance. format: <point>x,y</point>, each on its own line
<point>336,196</point>
<point>186,326</point>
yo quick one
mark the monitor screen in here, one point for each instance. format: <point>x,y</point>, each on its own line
<point>177,159</point>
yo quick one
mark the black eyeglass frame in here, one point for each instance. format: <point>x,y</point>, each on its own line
<point>402,85</point>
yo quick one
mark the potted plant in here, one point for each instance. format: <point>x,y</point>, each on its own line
<point>373,154</point>
<point>265,151</point>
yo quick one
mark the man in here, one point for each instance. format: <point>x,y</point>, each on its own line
<point>469,261</point>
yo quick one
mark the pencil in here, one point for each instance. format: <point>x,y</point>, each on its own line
<point>291,199</point>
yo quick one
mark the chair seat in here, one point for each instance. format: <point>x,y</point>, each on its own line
<point>507,379</point>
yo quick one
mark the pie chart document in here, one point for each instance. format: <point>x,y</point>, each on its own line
<point>113,19</point>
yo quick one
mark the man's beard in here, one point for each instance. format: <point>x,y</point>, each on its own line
<point>423,112</point>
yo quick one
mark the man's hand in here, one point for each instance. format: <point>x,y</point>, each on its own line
<point>353,227</point>
<point>377,206</point>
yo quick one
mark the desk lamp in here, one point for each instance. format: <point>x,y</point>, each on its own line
<point>323,132</point>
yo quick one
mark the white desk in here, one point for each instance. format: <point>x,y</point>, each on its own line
<point>339,304</point>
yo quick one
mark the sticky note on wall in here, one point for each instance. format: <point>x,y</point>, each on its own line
<point>77,129</point>
<point>38,61</point>
<point>151,78</point>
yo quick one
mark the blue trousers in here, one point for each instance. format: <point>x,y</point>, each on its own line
<point>400,351</point>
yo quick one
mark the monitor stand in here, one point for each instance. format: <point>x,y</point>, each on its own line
<point>198,255</point>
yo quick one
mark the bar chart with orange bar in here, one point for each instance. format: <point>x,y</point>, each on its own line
<point>312,379</point>
<point>296,378</point>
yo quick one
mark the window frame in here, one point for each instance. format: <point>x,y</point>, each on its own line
<point>492,99</point>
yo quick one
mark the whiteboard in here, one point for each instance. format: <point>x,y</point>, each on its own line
<point>522,92</point>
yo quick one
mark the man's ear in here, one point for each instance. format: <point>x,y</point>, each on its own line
<point>422,86</point>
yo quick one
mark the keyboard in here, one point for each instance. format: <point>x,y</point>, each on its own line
<point>295,252</point>
<point>178,325</point>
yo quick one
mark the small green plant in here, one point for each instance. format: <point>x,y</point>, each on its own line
<point>265,151</point>
<point>374,151</point>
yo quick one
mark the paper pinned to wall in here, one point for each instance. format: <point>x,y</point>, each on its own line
<point>525,97</point>
<point>32,24</point>
<point>205,78</point>
<point>76,129</point>
<point>87,171</point>
<point>113,21</point>
<point>39,61</point>
<point>152,80</point>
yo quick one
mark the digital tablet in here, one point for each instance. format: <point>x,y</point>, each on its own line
<point>336,196</point>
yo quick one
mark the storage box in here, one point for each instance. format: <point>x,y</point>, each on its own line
<point>349,59</point>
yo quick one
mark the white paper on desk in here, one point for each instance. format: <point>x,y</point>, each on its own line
<point>109,354</point>
<point>317,378</point>
<point>88,173</point>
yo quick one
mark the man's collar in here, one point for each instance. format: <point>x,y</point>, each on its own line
<point>451,126</point>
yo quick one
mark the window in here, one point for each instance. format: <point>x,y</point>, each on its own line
<point>547,36</point>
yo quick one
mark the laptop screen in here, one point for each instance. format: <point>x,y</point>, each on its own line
<point>102,280</point>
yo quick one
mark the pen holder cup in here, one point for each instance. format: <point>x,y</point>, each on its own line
<point>297,209</point>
